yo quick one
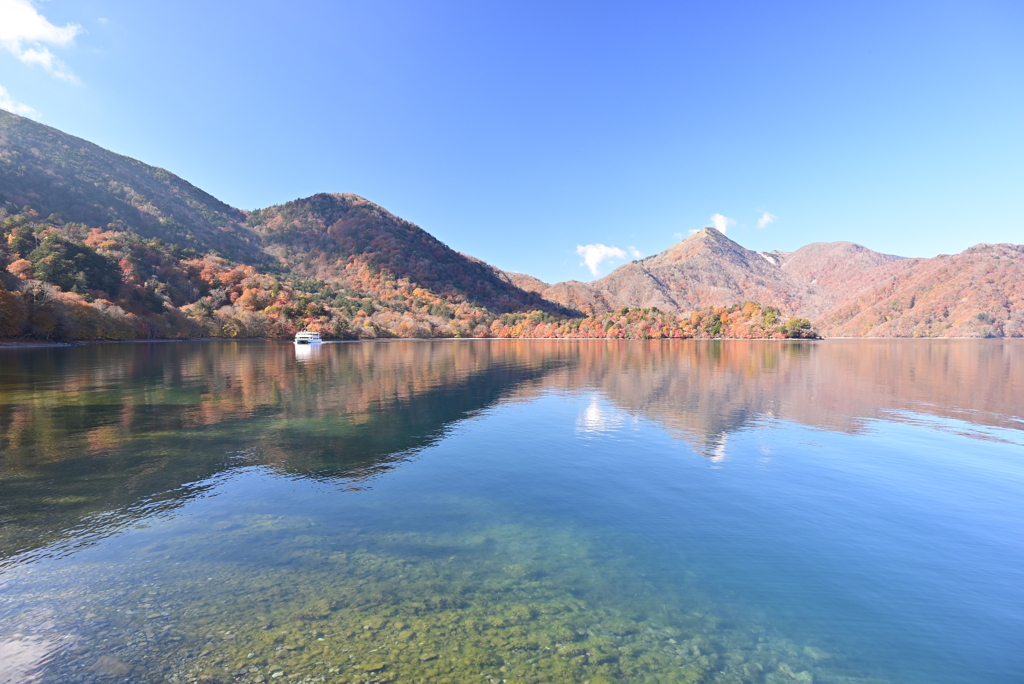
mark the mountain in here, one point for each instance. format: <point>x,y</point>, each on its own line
<point>977,293</point>
<point>346,239</point>
<point>572,294</point>
<point>705,269</point>
<point>834,270</point>
<point>847,289</point>
<point>95,245</point>
<point>80,182</point>
<point>832,265</point>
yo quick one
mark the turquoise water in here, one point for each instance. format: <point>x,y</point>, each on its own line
<point>518,511</point>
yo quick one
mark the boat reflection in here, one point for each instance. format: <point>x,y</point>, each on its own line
<point>305,353</point>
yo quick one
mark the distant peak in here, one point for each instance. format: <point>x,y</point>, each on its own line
<point>704,236</point>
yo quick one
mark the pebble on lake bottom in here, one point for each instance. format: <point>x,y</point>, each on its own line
<point>514,605</point>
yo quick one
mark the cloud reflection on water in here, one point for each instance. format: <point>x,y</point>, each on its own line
<point>598,417</point>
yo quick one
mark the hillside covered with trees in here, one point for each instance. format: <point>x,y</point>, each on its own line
<point>97,246</point>
<point>58,174</point>
<point>70,281</point>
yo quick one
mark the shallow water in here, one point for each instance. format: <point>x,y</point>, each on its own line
<point>514,510</point>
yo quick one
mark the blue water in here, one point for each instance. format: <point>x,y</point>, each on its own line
<point>903,539</point>
<point>842,511</point>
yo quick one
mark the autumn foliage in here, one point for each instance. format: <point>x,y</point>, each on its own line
<point>94,245</point>
<point>66,281</point>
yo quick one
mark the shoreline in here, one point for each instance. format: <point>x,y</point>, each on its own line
<point>41,344</point>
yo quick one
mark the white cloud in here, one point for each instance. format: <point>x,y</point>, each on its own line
<point>634,252</point>
<point>25,33</point>
<point>765,219</point>
<point>722,223</point>
<point>593,255</point>
<point>678,236</point>
<point>8,103</point>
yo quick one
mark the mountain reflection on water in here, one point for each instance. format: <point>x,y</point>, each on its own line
<point>134,428</point>
<point>101,428</point>
<point>520,510</point>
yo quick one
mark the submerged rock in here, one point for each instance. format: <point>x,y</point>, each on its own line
<point>108,665</point>
<point>816,653</point>
<point>802,677</point>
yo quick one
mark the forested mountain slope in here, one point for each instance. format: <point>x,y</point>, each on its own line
<point>56,173</point>
<point>347,239</point>
<point>846,289</point>
<point>573,294</point>
<point>95,245</point>
<point>835,270</point>
<point>705,269</point>
<point>833,265</point>
<point>977,293</point>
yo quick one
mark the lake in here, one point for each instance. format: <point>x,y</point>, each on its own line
<point>729,512</point>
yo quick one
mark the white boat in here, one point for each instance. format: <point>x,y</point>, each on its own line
<point>307,338</point>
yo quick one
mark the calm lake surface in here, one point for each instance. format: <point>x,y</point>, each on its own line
<point>514,510</point>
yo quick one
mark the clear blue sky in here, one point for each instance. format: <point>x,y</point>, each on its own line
<point>516,131</point>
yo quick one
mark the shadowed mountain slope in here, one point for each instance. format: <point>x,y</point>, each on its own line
<point>57,173</point>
